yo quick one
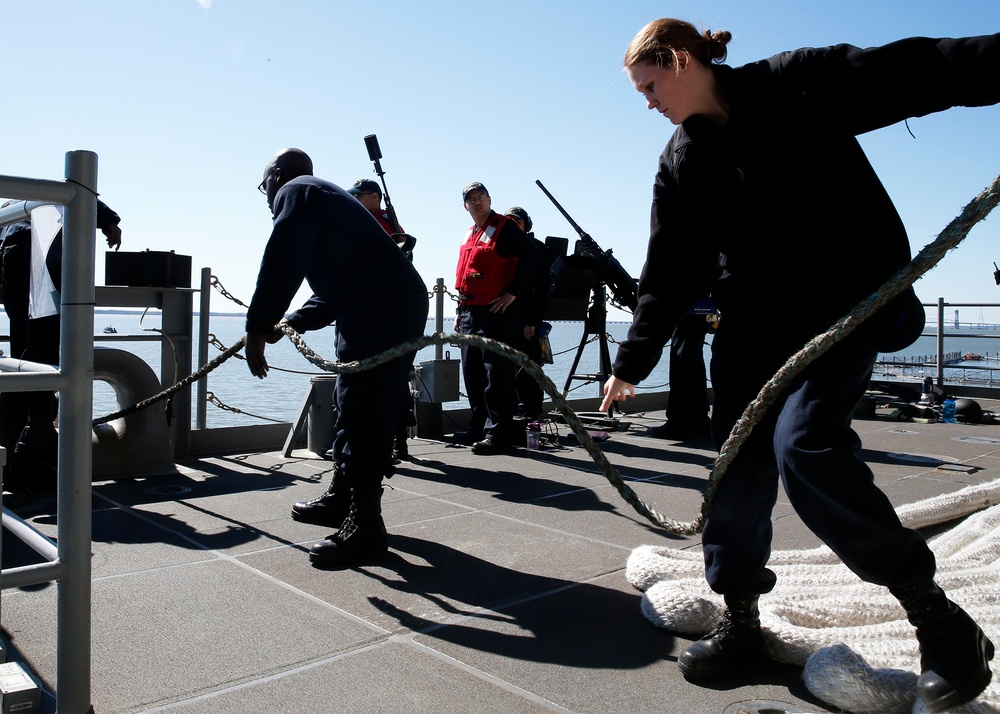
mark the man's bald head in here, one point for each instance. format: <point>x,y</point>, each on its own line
<point>292,162</point>
<point>286,165</point>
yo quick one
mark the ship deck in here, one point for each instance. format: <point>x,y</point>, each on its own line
<point>504,590</point>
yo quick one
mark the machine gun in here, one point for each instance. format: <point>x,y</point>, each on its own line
<point>375,154</point>
<point>624,288</point>
<point>589,270</point>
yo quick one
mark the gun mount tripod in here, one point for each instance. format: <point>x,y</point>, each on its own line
<point>595,270</point>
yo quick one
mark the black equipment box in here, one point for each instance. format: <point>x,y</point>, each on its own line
<point>147,269</point>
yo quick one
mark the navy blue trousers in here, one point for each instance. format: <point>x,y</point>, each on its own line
<point>489,377</point>
<point>530,395</point>
<point>367,408</point>
<point>688,403</point>
<point>807,441</point>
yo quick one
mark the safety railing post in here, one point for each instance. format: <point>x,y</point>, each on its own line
<point>940,342</point>
<point>439,316</point>
<point>204,322</point>
<point>76,358</point>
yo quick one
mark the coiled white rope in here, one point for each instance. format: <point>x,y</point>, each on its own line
<point>859,651</point>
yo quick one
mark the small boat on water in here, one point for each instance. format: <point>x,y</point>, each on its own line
<point>972,357</point>
<point>110,330</point>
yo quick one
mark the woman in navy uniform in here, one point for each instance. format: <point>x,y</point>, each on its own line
<point>764,169</point>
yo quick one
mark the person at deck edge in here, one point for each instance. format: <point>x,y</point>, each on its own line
<point>322,234</point>
<point>764,169</point>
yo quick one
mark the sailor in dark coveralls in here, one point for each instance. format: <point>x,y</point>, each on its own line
<point>764,169</point>
<point>529,392</point>
<point>321,233</point>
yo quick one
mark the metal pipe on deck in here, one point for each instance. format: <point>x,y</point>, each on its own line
<point>43,190</point>
<point>19,211</point>
<point>29,575</point>
<point>26,533</point>
<point>76,360</point>
<point>24,376</point>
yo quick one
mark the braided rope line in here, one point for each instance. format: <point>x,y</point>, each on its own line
<point>521,360</point>
<point>857,648</point>
<point>953,234</point>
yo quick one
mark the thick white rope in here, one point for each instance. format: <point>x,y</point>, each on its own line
<point>859,652</point>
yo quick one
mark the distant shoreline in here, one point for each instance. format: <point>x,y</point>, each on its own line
<point>107,311</point>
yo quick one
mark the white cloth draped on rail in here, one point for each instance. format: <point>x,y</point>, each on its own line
<point>859,652</point>
<point>46,223</point>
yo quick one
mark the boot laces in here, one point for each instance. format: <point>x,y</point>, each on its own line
<point>727,627</point>
<point>735,624</point>
<point>348,527</point>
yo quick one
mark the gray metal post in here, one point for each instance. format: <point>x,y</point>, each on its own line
<point>439,315</point>
<point>940,342</point>
<point>204,320</point>
<point>76,359</point>
<point>177,321</point>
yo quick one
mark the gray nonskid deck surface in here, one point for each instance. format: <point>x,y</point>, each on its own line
<point>504,589</point>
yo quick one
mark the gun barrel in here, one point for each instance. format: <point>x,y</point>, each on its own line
<point>623,285</point>
<point>562,210</point>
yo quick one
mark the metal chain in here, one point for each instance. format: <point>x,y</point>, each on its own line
<point>214,342</point>
<point>447,292</point>
<point>212,399</point>
<point>592,339</point>
<point>174,388</point>
<point>225,293</point>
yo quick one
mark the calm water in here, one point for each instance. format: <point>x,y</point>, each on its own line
<point>280,396</point>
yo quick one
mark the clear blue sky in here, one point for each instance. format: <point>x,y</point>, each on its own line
<point>185,101</point>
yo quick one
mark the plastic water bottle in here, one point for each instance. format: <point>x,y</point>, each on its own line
<point>948,410</point>
<point>534,440</point>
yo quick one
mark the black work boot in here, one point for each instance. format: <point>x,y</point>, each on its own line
<point>954,651</point>
<point>491,444</point>
<point>400,451</point>
<point>361,538</point>
<point>735,641</point>
<point>331,508</point>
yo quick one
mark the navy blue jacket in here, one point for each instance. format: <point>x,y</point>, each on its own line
<point>358,275</point>
<point>785,195</point>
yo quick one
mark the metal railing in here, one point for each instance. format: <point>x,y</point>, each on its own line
<point>69,558</point>
<point>948,365</point>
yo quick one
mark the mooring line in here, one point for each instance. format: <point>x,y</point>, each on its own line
<point>931,255</point>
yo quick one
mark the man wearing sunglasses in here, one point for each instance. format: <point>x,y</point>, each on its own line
<point>323,235</point>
